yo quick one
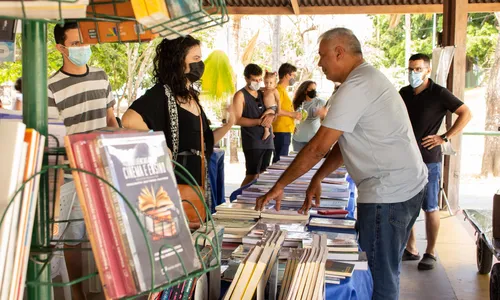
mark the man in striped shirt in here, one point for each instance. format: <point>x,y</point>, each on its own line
<point>82,97</point>
<point>80,93</point>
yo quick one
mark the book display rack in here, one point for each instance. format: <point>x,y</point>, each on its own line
<point>35,115</point>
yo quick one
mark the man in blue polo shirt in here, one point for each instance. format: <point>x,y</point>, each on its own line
<point>427,104</point>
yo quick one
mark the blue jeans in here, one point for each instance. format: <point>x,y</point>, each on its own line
<point>281,144</point>
<point>430,203</point>
<point>383,232</point>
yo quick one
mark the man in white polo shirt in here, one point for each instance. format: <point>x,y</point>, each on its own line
<point>376,142</point>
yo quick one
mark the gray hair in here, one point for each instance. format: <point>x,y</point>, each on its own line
<point>349,40</point>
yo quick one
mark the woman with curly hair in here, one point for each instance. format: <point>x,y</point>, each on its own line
<point>172,105</point>
<point>306,98</point>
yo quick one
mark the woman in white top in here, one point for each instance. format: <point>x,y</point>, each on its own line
<point>305,98</point>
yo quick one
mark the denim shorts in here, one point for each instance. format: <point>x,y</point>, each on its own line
<point>430,203</point>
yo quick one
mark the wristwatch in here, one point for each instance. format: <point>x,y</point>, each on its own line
<point>444,137</point>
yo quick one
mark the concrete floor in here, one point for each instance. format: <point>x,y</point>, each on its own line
<point>456,275</point>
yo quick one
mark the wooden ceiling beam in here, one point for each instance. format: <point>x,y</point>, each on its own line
<point>339,10</point>
<point>295,6</point>
<point>484,7</point>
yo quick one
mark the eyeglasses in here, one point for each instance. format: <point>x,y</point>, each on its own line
<point>418,70</point>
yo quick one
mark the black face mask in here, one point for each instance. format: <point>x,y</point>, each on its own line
<point>196,70</point>
<point>311,94</point>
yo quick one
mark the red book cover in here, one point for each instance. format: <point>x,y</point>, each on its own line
<point>114,276</point>
<point>106,202</point>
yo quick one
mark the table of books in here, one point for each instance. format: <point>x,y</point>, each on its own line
<point>333,220</point>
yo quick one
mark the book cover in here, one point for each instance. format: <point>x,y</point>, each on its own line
<point>338,268</point>
<point>332,223</point>
<point>141,169</point>
<point>10,159</point>
<point>102,226</point>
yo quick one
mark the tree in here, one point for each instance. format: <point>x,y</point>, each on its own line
<point>389,38</point>
<point>491,156</point>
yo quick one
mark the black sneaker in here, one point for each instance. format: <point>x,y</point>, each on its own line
<point>407,255</point>
<point>428,262</point>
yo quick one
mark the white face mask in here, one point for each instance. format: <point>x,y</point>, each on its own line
<point>415,79</point>
<point>254,85</point>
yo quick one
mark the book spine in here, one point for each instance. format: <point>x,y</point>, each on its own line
<point>90,216</point>
<point>115,221</point>
<point>166,294</point>
<point>121,208</point>
<point>114,276</point>
<point>187,289</point>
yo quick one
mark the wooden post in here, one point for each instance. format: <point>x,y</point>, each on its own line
<point>455,14</point>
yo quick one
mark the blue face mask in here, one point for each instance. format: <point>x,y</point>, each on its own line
<point>79,55</point>
<point>415,79</point>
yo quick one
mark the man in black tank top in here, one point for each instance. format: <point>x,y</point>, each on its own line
<point>249,107</point>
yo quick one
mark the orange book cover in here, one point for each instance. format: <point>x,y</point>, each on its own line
<point>106,32</point>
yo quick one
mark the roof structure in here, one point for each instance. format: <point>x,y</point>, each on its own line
<point>314,7</point>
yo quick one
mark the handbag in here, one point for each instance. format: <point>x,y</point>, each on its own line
<point>188,193</point>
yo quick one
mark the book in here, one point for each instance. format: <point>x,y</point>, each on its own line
<point>28,208</point>
<point>332,223</point>
<point>11,159</point>
<point>338,268</point>
<point>44,9</point>
<point>141,169</point>
<point>284,214</point>
<point>96,218</point>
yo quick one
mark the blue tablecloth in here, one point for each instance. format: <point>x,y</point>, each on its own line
<point>358,287</point>
<point>216,177</point>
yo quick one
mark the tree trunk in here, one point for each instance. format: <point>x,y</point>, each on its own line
<point>233,134</point>
<point>491,156</point>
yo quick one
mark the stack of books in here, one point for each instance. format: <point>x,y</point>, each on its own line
<point>315,223</point>
<point>138,165</point>
<point>256,268</point>
<point>21,157</point>
<point>304,275</point>
<point>336,271</point>
<point>236,211</point>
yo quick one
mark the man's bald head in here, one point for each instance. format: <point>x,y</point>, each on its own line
<point>339,53</point>
<point>345,37</point>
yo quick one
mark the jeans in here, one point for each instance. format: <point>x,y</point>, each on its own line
<point>281,144</point>
<point>384,229</point>
<point>431,198</point>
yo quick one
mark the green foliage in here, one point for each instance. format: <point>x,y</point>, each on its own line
<point>481,38</point>
<point>391,41</point>
<point>112,58</point>
<point>217,81</point>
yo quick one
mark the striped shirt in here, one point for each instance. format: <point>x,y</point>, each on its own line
<point>82,100</point>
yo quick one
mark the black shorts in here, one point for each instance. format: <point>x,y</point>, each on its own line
<point>257,160</point>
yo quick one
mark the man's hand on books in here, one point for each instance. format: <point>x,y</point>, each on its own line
<point>275,194</point>
<point>313,191</point>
